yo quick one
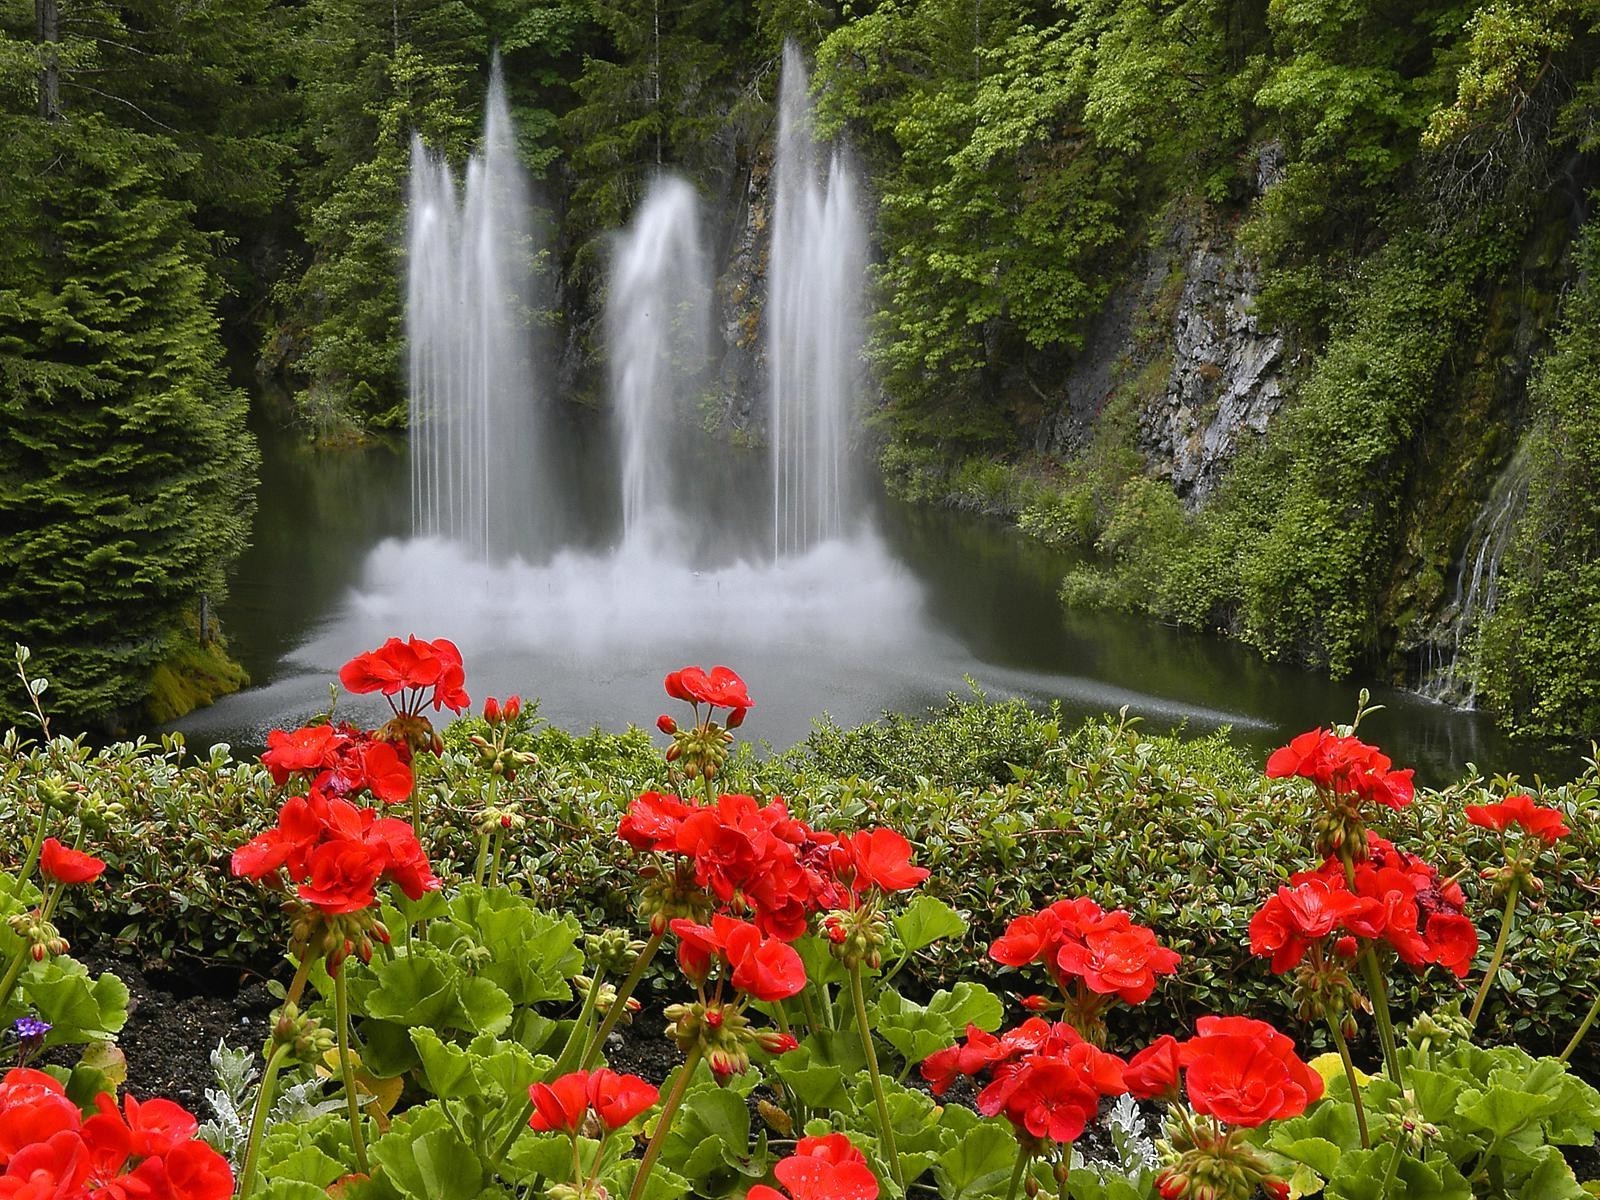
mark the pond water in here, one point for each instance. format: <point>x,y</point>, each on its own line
<point>914,604</point>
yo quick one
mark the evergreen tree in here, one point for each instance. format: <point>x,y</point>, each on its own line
<point>126,473</point>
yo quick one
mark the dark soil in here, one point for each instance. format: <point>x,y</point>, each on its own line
<point>177,1013</point>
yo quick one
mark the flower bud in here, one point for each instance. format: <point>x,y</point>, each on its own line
<point>736,717</point>
<point>775,1041</point>
<point>666,724</point>
<point>491,711</point>
<point>512,708</point>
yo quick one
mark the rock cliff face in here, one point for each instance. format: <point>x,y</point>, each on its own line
<point>1182,334</point>
<point>1226,378</point>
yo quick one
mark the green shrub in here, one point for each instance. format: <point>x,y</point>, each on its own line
<point>1010,810</point>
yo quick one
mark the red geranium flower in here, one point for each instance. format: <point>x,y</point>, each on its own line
<point>822,1168</point>
<point>413,665</point>
<point>1118,958</point>
<point>614,1099</point>
<point>722,688</point>
<point>1344,765</point>
<point>1295,917</point>
<point>1547,824</point>
<point>306,750</point>
<point>617,1099</point>
<point>764,968</point>
<point>1244,1072</point>
<point>1153,1072</point>
<point>65,865</point>
<point>560,1106</point>
<point>877,858</point>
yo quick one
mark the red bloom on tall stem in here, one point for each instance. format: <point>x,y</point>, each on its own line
<point>1547,824</point>
<point>561,1105</point>
<point>878,858</point>
<point>431,671</point>
<point>722,688</point>
<point>62,864</point>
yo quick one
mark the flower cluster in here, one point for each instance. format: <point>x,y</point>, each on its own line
<point>721,688</point>
<point>1045,1079</point>
<point>143,1151</point>
<point>738,852</point>
<point>1241,1071</point>
<point>755,967</point>
<point>1092,956</point>
<point>1344,765</point>
<point>340,760</point>
<point>1390,897</point>
<point>821,1168</point>
<point>337,854</point>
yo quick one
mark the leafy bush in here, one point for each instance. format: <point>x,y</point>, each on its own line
<point>1007,807</point>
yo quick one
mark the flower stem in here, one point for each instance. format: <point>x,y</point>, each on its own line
<point>347,1068</point>
<point>33,852</point>
<point>620,1004</point>
<point>13,972</point>
<point>664,1122</point>
<point>1350,1073</point>
<point>578,1038</point>
<point>1498,956</point>
<point>1024,1157</point>
<point>483,859</point>
<point>1594,1011</point>
<point>885,1126</point>
<point>258,1120</point>
<point>1379,995</point>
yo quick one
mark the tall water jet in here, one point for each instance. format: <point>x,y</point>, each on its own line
<point>813,316</point>
<point>472,398</point>
<point>658,342</point>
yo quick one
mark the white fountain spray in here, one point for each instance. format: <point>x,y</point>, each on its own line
<point>814,283</point>
<point>473,407</point>
<point>658,343</point>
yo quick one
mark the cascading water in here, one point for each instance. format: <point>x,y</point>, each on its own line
<point>472,399</point>
<point>813,315</point>
<point>1447,672</point>
<point>657,344</point>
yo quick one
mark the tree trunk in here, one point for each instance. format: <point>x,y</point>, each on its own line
<point>47,16</point>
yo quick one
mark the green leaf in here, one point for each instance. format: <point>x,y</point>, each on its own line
<point>926,920</point>
<point>980,1164</point>
<point>425,1159</point>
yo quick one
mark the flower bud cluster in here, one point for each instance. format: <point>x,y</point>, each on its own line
<point>335,936</point>
<point>41,936</point>
<point>1207,1164</point>
<point>699,752</point>
<point>612,951</point>
<point>724,1035</point>
<point>670,895</point>
<point>607,997</point>
<point>305,1037</point>
<point>856,937</point>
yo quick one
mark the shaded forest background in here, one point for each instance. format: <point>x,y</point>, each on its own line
<point>1389,199</point>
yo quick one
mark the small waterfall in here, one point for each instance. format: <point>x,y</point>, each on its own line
<point>813,319</point>
<point>472,403</point>
<point>1448,673</point>
<point>658,343</point>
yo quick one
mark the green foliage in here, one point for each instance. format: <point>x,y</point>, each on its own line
<point>1539,660</point>
<point>126,474</point>
<point>1498,1118</point>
